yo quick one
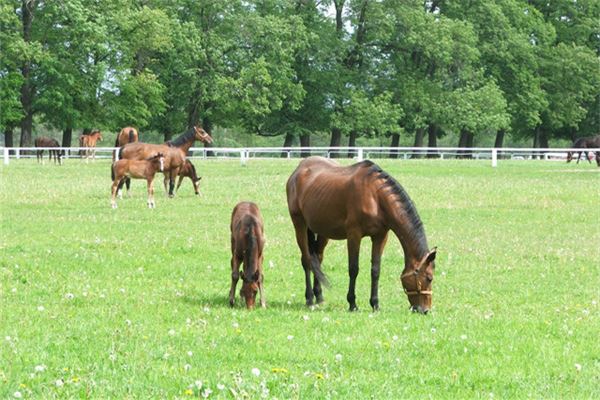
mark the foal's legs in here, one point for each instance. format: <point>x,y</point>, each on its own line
<point>378,243</point>
<point>235,276</point>
<point>150,181</point>
<point>353,252</point>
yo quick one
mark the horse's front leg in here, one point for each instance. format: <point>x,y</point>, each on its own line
<point>235,276</point>
<point>172,176</point>
<point>151,203</point>
<point>353,253</point>
<point>378,243</point>
<point>261,291</point>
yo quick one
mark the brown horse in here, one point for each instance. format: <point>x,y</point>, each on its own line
<point>145,169</point>
<point>592,142</point>
<point>188,170</point>
<point>247,242</point>
<point>127,135</point>
<point>175,152</point>
<point>334,202</point>
<point>44,141</point>
<point>90,141</point>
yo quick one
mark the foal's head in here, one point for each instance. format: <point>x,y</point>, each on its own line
<point>158,158</point>
<point>417,283</point>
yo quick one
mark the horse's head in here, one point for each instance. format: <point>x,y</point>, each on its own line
<point>98,135</point>
<point>417,283</point>
<point>202,135</point>
<point>249,290</point>
<point>160,158</point>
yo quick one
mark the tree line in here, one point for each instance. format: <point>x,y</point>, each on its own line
<point>290,68</point>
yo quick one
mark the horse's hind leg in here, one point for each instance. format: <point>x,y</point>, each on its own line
<point>320,250</point>
<point>113,192</point>
<point>302,240</point>
<point>353,253</point>
<point>378,243</point>
<point>235,276</point>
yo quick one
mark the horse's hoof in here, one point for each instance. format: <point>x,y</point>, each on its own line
<point>171,196</point>
<point>114,206</point>
<point>353,308</point>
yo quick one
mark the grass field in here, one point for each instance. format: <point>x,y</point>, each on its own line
<point>132,303</point>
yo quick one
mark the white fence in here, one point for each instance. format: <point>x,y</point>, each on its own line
<point>357,153</point>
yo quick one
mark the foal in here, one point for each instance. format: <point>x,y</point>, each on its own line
<point>188,170</point>
<point>247,242</point>
<point>140,169</point>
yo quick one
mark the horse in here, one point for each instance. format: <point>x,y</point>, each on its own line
<point>127,135</point>
<point>592,142</point>
<point>247,243</point>
<point>144,169</point>
<point>175,153</point>
<point>188,170</point>
<point>90,141</point>
<point>44,141</point>
<point>328,201</point>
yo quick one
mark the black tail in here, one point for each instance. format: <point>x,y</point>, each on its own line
<point>314,259</point>
<point>131,136</point>
<point>251,249</point>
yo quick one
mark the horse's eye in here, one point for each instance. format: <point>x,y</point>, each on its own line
<point>429,278</point>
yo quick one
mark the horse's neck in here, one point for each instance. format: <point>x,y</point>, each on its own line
<point>409,232</point>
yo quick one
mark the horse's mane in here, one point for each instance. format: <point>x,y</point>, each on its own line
<point>400,195</point>
<point>184,138</point>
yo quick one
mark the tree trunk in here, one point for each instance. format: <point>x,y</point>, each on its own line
<point>207,126</point>
<point>67,137</point>
<point>352,143</point>
<point>27,89</point>
<point>395,143</point>
<point>336,140</point>
<point>287,142</point>
<point>499,138</point>
<point>432,132</point>
<point>419,134</point>
<point>305,143</point>
<point>465,141</point>
<point>8,137</point>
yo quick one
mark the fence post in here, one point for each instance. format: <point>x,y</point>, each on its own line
<point>6,156</point>
<point>17,153</point>
<point>494,157</point>
<point>359,155</point>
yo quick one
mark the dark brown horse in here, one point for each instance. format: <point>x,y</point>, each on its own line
<point>333,202</point>
<point>247,242</point>
<point>127,135</point>
<point>188,171</point>
<point>90,142</point>
<point>44,141</point>
<point>175,152</point>
<point>144,169</point>
<point>592,142</point>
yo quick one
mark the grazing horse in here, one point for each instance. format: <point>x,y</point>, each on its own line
<point>90,141</point>
<point>247,242</point>
<point>188,170</point>
<point>334,202</point>
<point>174,151</point>
<point>592,142</point>
<point>144,169</point>
<point>127,135</point>
<point>44,141</point>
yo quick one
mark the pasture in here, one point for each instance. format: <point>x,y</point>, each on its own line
<point>133,302</point>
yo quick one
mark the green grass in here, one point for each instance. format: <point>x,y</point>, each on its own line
<point>132,303</point>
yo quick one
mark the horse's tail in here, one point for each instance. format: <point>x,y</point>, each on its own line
<point>131,136</point>
<point>314,259</point>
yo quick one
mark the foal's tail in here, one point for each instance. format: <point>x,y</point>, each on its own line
<point>314,259</point>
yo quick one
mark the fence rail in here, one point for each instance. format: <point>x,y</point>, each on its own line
<point>357,153</point>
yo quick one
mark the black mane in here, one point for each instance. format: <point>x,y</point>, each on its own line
<point>400,195</point>
<point>184,138</point>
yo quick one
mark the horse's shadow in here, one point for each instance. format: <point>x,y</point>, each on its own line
<point>222,302</point>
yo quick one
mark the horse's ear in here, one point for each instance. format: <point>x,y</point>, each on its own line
<point>430,256</point>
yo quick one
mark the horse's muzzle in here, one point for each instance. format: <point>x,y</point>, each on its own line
<point>419,309</point>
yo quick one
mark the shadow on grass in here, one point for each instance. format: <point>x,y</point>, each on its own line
<point>218,301</point>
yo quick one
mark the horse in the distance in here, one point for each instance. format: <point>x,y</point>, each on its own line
<point>175,153</point>
<point>247,243</point>
<point>89,142</point>
<point>139,169</point>
<point>592,142</point>
<point>45,141</point>
<point>328,201</point>
<point>127,135</point>
<point>188,171</point>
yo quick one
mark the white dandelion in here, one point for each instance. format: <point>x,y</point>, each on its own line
<point>255,371</point>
